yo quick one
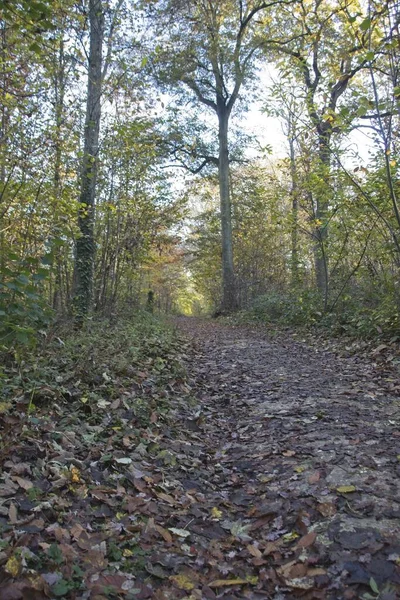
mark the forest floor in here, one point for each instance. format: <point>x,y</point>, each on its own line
<point>274,475</point>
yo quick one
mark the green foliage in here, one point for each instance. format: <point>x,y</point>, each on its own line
<point>92,364</point>
<point>350,317</point>
<point>287,308</point>
<point>23,309</point>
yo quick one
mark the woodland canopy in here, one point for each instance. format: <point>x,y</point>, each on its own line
<point>126,165</point>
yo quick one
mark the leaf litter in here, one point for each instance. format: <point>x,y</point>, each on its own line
<point>269,470</point>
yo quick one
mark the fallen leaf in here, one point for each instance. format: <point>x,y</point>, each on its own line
<point>13,566</point>
<point>299,469</point>
<point>103,403</point>
<point>13,513</point>
<point>164,533</point>
<point>239,530</point>
<point>216,513</point>
<point>314,477</point>
<point>125,460</point>
<point>254,551</point>
<point>379,349</point>
<point>180,532</point>
<point>289,453</point>
<point>327,509</point>
<point>314,572</point>
<point>75,475</point>
<point>290,537</point>
<point>166,498</point>
<point>346,489</point>
<point>307,540</point>
<point>182,582</point>
<point>292,570</point>
<point>301,583</point>
<point>226,582</point>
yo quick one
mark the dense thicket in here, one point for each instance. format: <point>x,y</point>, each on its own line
<point>125,164</point>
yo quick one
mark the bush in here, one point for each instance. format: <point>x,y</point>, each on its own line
<point>350,316</point>
<point>23,310</point>
<point>288,308</point>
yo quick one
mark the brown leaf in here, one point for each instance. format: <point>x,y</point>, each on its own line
<point>289,453</point>
<point>13,513</point>
<point>327,509</point>
<point>25,484</point>
<point>315,571</point>
<point>139,484</point>
<point>166,498</point>
<point>76,530</point>
<point>314,477</point>
<point>273,547</point>
<point>307,540</point>
<point>254,551</point>
<point>164,533</point>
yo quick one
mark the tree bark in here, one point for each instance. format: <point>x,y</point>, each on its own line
<point>85,246</point>
<point>59,91</point>
<point>229,297</point>
<point>321,214</point>
<point>294,233</point>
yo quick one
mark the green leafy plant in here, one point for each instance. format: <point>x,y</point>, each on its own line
<point>23,309</point>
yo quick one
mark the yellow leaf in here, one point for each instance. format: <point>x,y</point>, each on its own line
<point>127,552</point>
<point>290,537</point>
<point>393,163</point>
<point>216,513</point>
<point>75,475</point>
<point>346,489</point>
<point>225,582</point>
<point>299,469</point>
<point>4,406</point>
<point>13,566</point>
<point>182,582</point>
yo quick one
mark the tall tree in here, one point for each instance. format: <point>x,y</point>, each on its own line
<point>210,50</point>
<point>85,245</point>
<point>326,54</point>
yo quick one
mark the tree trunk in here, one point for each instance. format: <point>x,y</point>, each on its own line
<point>321,215</point>
<point>294,258</point>
<point>229,297</point>
<point>59,92</point>
<point>85,245</point>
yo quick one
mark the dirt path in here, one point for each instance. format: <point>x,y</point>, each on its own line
<point>296,463</point>
<point>271,472</point>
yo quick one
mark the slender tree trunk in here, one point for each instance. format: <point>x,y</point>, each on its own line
<point>229,297</point>
<point>321,215</point>
<point>59,89</point>
<point>294,259</point>
<point>3,136</point>
<point>85,245</point>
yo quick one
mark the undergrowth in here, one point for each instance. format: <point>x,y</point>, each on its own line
<point>93,366</point>
<point>303,309</point>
